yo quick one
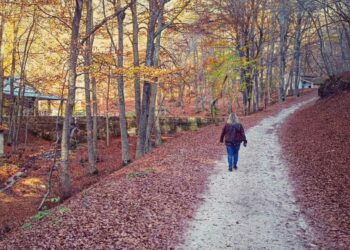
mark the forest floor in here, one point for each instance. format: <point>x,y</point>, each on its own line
<point>22,200</point>
<point>142,206</point>
<point>316,144</point>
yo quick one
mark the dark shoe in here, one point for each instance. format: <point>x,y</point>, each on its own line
<point>235,167</point>
<point>230,169</point>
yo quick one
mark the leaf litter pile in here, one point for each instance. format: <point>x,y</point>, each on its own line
<point>143,206</point>
<point>316,143</point>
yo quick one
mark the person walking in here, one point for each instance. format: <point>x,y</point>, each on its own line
<point>234,135</point>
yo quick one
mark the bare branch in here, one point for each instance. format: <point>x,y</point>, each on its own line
<point>104,21</point>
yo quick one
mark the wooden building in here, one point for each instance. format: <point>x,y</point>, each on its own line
<point>35,103</point>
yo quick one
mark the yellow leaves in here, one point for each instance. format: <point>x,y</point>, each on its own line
<point>145,73</point>
<point>7,170</point>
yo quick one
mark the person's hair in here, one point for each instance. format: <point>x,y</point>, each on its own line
<point>233,119</point>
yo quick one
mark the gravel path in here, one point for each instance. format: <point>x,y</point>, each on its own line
<point>253,207</point>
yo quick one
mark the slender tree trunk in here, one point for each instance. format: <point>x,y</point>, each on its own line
<point>22,85</point>
<point>269,71</point>
<point>297,51</point>
<point>242,76</point>
<point>87,63</point>
<point>94,115</point>
<point>257,90</point>
<point>262,82</point>
<point>199,78</point>
<point>107,110</point>
<point>289,83</point>
<point>135,47</point>
<point>121,98</point>
<point>12,111</point>
<point>65,182</point>
<point>2,29</point>
<point>283,21</point>
<point>180,100</point>
<point>157,129</point>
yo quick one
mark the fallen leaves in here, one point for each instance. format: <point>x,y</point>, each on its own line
<point>316,144</point>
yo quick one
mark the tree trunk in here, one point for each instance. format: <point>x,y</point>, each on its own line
<point>262,82</point>
<point>180,100</point>
<point>107,110</point>
<point>283,22</point>
<point>347,35</point>
<point>271,52</point>
<point>344,46</point>
<point>135,47</point>
<point>2,29</point>
<point>87,63</point>
<point>145,111</point>
<point>256,90</point>
<point>152,119</point>
<point>21,92</point>
<point>12,103</point>
<point>94,115</point>
<point>157,129</point>
<point>65,182</point>
<point>121,98</point>
<point>297,51</point>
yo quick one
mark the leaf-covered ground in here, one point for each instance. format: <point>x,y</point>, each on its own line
<point>317,146</point>
<point>22,200</point>
<point>143,206</point>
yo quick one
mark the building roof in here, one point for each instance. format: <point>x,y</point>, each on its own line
<point>30,91</point>
<point>314,79</point>
<point>307,81</point>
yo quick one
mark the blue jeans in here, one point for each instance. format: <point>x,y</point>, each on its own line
<point>232,152</point>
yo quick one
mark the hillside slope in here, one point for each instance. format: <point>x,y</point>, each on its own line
<point>316,143</point>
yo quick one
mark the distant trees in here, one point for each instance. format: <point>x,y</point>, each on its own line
<point>330,22</point>
<point>277,42</point>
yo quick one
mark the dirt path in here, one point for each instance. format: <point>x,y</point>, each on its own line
<point>254,207</point>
